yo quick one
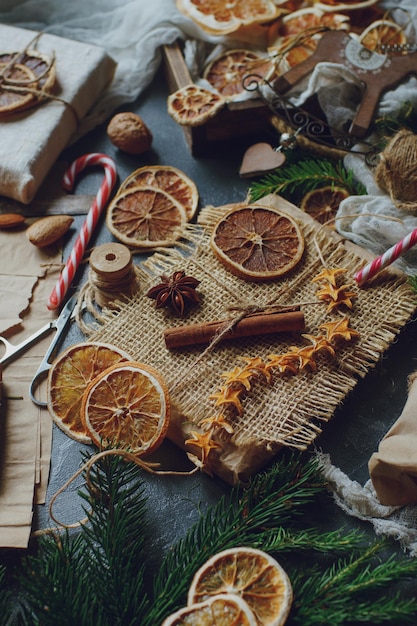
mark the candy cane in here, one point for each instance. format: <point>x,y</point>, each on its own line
<point>387,258</point>
<point>100,201</point>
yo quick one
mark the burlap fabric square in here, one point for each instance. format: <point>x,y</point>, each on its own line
<point>289,411</point>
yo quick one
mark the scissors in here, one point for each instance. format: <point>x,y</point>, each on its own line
<point>12,351</point>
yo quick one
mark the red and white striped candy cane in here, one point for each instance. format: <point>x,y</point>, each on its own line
<point>90,222</point>
<point>388,257</point>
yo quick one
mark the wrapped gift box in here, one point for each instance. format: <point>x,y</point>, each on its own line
<point>32,140</point>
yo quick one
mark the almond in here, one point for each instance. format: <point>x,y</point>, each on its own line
<point>10,220</point>
<point>48,230</point>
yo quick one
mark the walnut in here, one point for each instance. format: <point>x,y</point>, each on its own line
<point>128,132</point>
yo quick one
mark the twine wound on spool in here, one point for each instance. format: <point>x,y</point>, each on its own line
<point>396,172</point>
<point>112,274</point>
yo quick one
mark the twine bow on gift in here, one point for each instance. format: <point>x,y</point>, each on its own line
<point>13,80</point>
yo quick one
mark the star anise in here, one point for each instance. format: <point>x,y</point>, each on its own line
<point>176,291</point>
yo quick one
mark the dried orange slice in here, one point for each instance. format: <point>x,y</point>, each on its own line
<point>193,105</point>
<point>68,378</point>
<point>14,101</point>
<point>222,610</point>
<point>303,20</point>
<point>127,406</point>
<point>382,33</point>
<point>226,72</point>
<point>218,17</point>
<point>146,218</point>
<point>344,5</point>
<point>251,574</point>
<point>169,179</point>
<point>32,70</point>
<point>257,243</point>
<point>322,204</point>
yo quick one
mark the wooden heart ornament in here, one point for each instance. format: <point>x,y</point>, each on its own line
<point>260,158</point>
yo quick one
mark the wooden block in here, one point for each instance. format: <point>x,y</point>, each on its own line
<point>235,121</point>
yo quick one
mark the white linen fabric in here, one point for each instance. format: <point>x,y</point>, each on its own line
<point>394,522</point>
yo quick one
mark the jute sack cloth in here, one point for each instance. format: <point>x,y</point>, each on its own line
<point>393,468</point>
<point>290,411</point>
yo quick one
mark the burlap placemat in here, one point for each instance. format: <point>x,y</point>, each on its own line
<point>290,411</point>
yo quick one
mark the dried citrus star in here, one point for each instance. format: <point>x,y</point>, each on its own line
<point>285,364</point>
<point>256,366</point>
<point>336,296</point>
<point>329,275</point>
<point>228,397</point>
<point>238,376</point>
<point>204,441</point>
<point>339,329</point>
<point>217,421</point>
<point>320,343</point>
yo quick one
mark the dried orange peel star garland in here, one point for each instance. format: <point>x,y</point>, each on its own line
<point>228,399</point>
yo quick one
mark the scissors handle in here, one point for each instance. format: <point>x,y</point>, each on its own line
<point>12,351</point>
<point>42,372</point>
<point>40,376</point>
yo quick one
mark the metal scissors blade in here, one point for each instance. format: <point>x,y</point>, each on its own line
<point>60,325</point>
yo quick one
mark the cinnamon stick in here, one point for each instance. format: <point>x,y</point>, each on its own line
<point>249,326</point>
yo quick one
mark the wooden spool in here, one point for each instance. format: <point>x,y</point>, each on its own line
<point>112,274</point>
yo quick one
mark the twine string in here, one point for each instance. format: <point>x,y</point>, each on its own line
<point>22,86</point>
<point>87,467</point>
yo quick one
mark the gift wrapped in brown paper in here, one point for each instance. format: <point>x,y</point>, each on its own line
<point>393,468</point>
<point>32,138</point>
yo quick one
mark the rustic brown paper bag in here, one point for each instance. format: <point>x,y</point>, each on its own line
<point>393,469</point>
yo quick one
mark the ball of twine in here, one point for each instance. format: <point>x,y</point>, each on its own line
<point>396,172</point>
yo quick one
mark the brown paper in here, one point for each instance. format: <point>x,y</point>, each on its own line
<point>393,469</point>
<point>26,430</point>
<point>32,140</point>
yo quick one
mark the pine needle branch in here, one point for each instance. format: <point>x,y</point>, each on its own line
<point>344,593</point>
<point>273,499</point>
<point>98,576</point>
<point>305,176</point>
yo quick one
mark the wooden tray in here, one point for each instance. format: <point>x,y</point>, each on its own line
<point>237,120</point>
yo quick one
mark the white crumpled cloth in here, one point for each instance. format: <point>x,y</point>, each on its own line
<point>394,522</point>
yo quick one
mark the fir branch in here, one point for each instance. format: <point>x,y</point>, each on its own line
<point>344,593</point>
<point>305,176</point>
<point>413,283</point>
<point>273,499</point>
<point>97,577</point>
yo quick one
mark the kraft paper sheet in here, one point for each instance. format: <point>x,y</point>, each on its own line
<point>25,429</point>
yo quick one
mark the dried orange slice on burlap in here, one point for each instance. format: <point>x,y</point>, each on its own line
<point>68,378</point>
<point>382,33</point>
<point>26,70</point>
<point>251,574</point>
<point>168,178</point>
<point>226,72</point>
<point>193,105</point>
<point>218,17</point>
<point>222,610</point>
<point>127,406</point>
<point>257,243</point>
<point>322,204</point>
<point>146,218</point>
